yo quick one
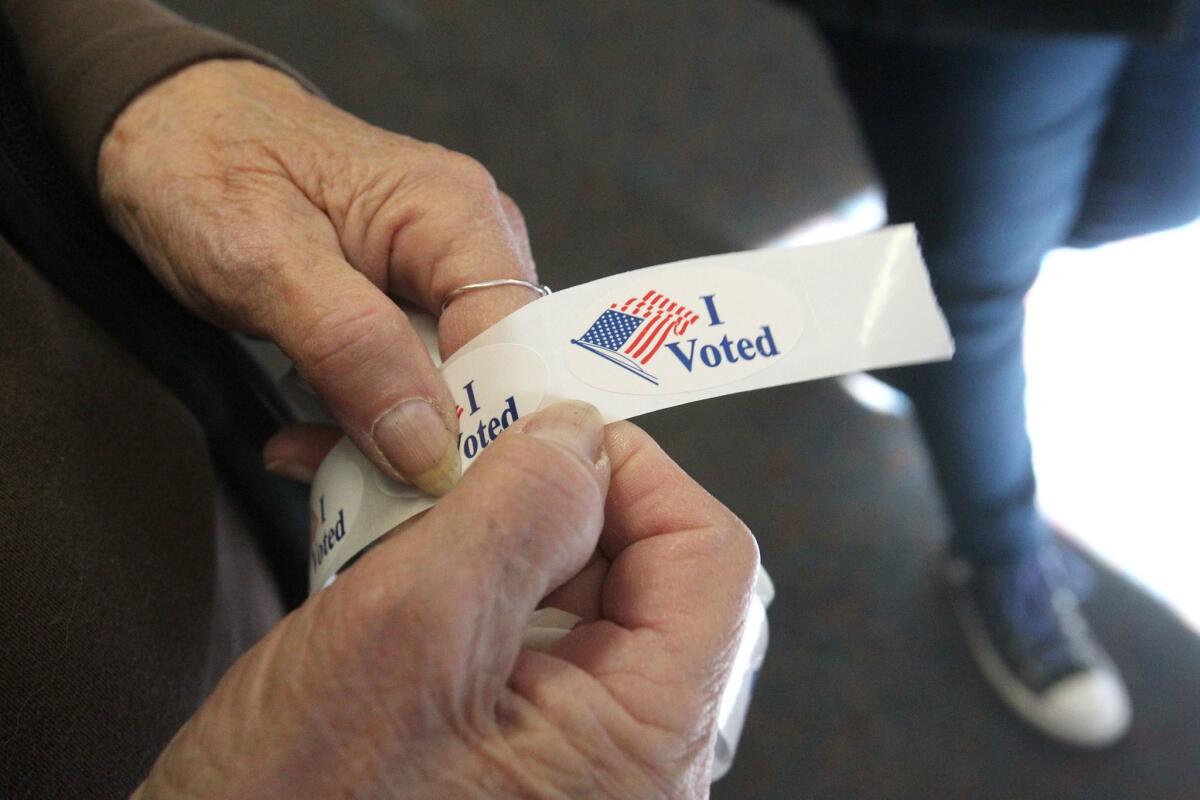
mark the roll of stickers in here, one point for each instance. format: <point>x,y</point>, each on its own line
<point>650,339</point>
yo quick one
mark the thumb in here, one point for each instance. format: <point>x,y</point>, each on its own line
<point>361,355</point>
<point>525,518</point>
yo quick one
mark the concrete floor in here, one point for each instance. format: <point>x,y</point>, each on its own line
<point>635,133</point>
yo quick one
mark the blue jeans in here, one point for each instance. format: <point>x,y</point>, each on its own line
<point>1000,150</point>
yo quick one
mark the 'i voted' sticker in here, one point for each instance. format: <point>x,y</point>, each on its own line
<point>650,339</point>
<point>493,387</point>
<point>333,511</point>
<point>681,332</point>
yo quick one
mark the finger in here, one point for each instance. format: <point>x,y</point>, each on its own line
<point>682,564</point>
<point>523,520</point>
<point>517,224</point>
<point>357,350</point>
<point>296,451</point>
<point>470,314</point>
<point>445,227</point>
<point>580,595</point>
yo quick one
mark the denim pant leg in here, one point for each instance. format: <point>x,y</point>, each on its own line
<point>1146,176</point>
<point>987,147</point>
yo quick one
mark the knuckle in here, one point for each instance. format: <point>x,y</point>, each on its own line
<point>727,547</point>
<point>377,194</point>
<point>512,210</point>
<point>239,277</point>
<point>342,338</point>
<point>244,258</point>
<point>468,172</point>
<point>742,542</point>
<point>738,547</point>
<point>457,173</point>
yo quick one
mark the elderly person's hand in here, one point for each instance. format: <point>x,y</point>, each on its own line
<point>406,677</point>
<point>269,211</point>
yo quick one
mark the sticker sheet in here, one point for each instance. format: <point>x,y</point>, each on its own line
<point>653,338</point>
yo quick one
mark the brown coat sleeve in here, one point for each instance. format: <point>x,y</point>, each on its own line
<point>87,59</point>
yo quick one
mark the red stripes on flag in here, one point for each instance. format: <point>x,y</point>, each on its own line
<point>663,316</point>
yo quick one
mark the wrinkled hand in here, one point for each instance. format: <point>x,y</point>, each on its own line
<point>406,677</point>
<point>269,211</point>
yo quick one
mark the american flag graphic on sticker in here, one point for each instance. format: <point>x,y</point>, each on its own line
<point>630,334</point>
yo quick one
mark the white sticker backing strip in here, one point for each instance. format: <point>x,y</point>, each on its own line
<point>654,338</point>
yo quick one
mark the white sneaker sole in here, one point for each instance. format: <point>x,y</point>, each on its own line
<point>1089,710</point>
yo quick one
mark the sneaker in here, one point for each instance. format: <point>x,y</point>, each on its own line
<point>1024,628</point>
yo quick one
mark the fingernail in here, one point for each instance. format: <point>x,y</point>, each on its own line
<point>576,426</point>
<point>292,470</point>
<point>418,445</point>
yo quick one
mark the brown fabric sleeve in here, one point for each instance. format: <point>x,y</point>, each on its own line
<point>87,59</point>
<point>131,578</point>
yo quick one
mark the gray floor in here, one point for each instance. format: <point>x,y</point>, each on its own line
<point>635,133</point>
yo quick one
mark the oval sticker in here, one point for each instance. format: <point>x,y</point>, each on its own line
<point>493,387</point>
<point>335,500</point>
<point>687,330</point>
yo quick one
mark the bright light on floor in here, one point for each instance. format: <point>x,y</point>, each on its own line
<point>859,213</point>
<point>1112,350</point>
